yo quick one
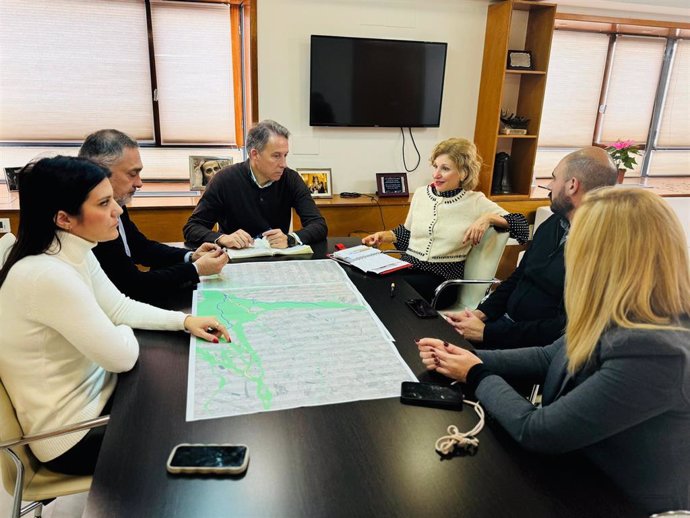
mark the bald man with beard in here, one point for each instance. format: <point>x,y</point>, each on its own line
<point>528,309</point>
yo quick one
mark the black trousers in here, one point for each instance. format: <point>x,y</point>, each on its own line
<point>81,458</point>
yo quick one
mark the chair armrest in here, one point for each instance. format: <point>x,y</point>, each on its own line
<point>76,427</point>
<point>459,282</point>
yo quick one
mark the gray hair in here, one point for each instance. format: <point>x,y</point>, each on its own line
<point>106,146</point>
<point>258,136</point>
<point>593,170</point>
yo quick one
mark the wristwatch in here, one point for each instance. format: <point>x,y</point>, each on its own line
<point>291,240</point>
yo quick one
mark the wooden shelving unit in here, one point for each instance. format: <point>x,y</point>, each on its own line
<point>533,25</point>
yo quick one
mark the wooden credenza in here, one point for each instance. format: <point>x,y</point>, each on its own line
<point>162,218</point>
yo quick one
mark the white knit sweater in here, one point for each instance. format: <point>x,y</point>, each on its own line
<point>66,330</point>
<point>437,224</point>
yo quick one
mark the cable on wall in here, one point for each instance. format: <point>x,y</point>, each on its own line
<point>419,157</point>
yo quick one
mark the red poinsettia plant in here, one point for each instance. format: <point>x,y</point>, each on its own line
<point>623,153</point>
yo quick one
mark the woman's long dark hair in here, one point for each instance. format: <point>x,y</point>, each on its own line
<point>46,187</point>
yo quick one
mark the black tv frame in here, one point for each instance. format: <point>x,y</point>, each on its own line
<point>314,123</point>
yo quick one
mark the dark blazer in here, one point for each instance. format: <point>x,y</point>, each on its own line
<point>234,201</point>
<point>168,271</point>
<point>532,296</point>
<point>628,409</point>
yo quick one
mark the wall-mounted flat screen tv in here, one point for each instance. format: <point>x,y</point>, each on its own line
<point>376,82</point>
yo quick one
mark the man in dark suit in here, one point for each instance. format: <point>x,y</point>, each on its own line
<point>527,309</point>
<point>170,268</point>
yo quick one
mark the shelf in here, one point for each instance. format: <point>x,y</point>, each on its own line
<point>526,5</point>
<point>527,72</point>
<point>518,90</point>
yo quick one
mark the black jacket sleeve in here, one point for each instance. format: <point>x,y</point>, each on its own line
<point>199,226</point>
<point>501,332</point>
<point>532,295</point>
<point>526,333</point>
<point>168,271</point>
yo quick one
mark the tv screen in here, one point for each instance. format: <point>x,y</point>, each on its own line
<point>375,82</point>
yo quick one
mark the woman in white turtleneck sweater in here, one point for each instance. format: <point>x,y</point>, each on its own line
<point>66,329</point>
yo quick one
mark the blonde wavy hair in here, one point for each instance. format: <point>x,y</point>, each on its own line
<point>626,262</point>
<point>464,155</point>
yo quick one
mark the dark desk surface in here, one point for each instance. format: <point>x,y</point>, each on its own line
<point>365,458</point>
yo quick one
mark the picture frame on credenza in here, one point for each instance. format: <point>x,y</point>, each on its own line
<point>389,185</point>
<point>11,178</point>
<point>318,181</point>
<point>203,168</point>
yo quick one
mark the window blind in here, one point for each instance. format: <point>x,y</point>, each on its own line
<point>669,163</point>
<point>70,67</point>
<point>675,118</point>
<point>194,72</point>
<point>547,159</point>
<point>573,88</point>
<point>159,163</point>
<point>634,79</point>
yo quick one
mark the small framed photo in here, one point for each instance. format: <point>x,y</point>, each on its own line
<point>11,177</point>
<point>318,181</point>
<point>203,168</point>
<point>391,184</point>
<point>520,60</point>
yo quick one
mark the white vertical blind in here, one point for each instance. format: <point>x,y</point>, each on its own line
<point>194,72</point>
<point>163,164</point>
<point>547,159</point>
<point>675,119</point>
<point>670,163</point>
<point>634,79</point>
<point>159,163</point>
<point>69,67</point>
<point>573,87</point>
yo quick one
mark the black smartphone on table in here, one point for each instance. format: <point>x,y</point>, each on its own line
<point>213,459</point>
<point>431,394</point>
<point>421,308</point>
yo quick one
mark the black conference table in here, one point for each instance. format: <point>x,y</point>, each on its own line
<point>364,458</point>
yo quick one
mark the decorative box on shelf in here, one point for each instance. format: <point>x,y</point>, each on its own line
<point>513,131</point>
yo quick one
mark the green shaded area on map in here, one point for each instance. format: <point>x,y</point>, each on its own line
<point>239,357</point>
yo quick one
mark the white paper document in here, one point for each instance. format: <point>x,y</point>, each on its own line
<point>261,248</point>
<point>370,260</point>
<point>302,335</point>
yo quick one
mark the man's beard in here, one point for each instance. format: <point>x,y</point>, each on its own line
<point>561,205</point>
<point>124,200</point>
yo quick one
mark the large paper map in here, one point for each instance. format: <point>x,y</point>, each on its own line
<point>302,335</point>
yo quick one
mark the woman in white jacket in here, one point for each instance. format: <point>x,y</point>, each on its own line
<point>66,329</point>
<point>446,219</point>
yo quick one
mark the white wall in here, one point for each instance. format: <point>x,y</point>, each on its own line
<point>356,154</point>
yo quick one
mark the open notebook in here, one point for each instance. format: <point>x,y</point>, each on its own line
<point>261,248</point>
<point>370,259</point>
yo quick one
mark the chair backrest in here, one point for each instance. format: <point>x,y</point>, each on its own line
<point>481,263</point>
<point>6,243</point>
<point>10,429</point>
